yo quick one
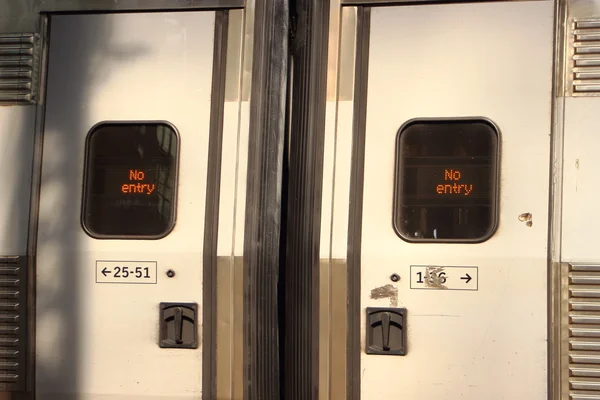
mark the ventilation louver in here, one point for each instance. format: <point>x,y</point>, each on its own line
<point>13,323</point>
<point>584,331</point>
<point>17,68</point>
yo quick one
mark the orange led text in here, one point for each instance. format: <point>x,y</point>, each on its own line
<point>136,186</point>
<point>454,176</point>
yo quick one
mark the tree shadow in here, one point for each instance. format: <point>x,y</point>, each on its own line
<point>79,48</point>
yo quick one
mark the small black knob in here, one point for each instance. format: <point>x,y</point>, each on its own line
<point>395,277</point>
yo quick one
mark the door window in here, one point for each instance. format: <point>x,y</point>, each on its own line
<point>130,180</point>
<point>446,182</point>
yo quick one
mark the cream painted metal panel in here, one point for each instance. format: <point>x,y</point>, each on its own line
<point>16,154</point>
<point>580,184</point>
<point>100,341</point>
<point>491,60</point>
<point>337,156</point>
<point>232,202</point>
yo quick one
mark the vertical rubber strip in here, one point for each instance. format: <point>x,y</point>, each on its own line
<point>307,135</point>
<point>211,220</point>
<point>282,285</point>
<point>263,200</point>
<point>356,201</point>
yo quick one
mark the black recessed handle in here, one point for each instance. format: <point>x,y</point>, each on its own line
<point>178,315</point>
<point>178,326</point>
<point>385,331</point>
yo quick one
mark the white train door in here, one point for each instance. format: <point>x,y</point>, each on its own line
<point>455,201</point>
<point>122,206</point>
<point>439,147</point>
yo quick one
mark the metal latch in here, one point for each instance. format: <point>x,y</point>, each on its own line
<point>178,327</point>
<point>386,331</point>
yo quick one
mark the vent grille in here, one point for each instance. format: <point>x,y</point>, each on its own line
<point>13,323</point>
<point>17,68</point>
<point>584,331</point>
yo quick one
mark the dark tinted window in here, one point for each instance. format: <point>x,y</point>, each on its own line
<point>130,184</point>
<point>446,180</point>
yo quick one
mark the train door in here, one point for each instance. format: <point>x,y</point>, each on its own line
<point>123,205</point>
<point>457,208</point>
<point>438,145</point>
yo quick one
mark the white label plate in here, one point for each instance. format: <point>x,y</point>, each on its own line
<point>436,277</point>
<point>140,272</point>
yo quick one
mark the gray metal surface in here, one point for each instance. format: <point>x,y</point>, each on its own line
<point>16,147</point>
<point>18,16</point>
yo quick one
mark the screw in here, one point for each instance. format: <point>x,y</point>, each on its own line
<point>170,273</point>
<point>395,277</point>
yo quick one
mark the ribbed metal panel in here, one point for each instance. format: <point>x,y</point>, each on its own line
<point>585,62</point>
<point>309,79</point>
<point>17,68</point>
<point>262,227</point>
<point>13,323</point>
<point>584,331</point>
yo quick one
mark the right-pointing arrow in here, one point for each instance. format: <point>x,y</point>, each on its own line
<point>467,278</point>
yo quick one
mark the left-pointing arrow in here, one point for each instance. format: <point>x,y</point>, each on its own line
<point>105,271</point>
